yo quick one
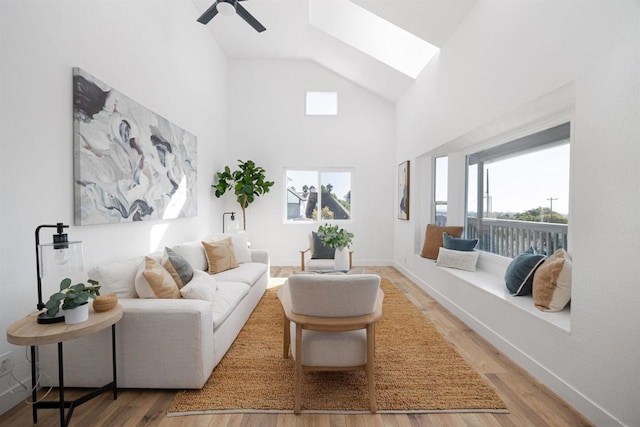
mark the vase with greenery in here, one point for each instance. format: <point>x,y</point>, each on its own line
<point>72,296</point>
<point>334,236</point>
<point>247,182</point>
<point>338,239</point>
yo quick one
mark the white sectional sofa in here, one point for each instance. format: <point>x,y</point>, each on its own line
<point>164,343</point>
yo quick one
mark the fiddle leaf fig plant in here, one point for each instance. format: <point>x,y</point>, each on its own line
<point>247,182</point>
<point>72,296</point>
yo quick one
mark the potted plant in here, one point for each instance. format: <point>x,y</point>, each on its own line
<point>338,239</point>
<point>74,300</point>
<point>247,182</point>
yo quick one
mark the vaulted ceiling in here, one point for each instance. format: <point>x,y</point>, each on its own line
<point>377,44</point>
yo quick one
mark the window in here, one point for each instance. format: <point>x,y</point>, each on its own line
<point>322,104</point>
<point>518,194</point>
<point>440,183</point>
<point>306,203</point>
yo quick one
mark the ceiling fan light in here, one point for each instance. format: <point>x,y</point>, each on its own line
<point>226,8</point>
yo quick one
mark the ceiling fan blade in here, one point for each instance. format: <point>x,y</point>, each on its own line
<point>249,18</point>
<point>209,14</point>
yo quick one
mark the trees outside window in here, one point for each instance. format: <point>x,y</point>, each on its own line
<point>306,203</point>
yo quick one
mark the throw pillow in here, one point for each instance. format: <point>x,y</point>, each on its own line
<point>552,282</point>
<point>319,250</point>
<point>153,281</point>
<point>462,260</point>
<point>240,245</point>
<point>520,272</point>
<point>220,255</point>
<point>458,244</point>
<point>117,277</point>
<point>433,239</point>
<point>193,253</point>
<point>202,287</point>
<point>177,266</point>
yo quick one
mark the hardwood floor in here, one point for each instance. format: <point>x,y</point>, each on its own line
<point>529,402</point>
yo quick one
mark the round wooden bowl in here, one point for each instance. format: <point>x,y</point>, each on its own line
<point>105,302</point>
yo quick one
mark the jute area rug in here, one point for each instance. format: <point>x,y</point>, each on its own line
<point>416,371</point>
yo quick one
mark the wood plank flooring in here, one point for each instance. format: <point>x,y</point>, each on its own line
<point>529,402</point>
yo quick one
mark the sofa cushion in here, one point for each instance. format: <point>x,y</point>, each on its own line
<point>239,243</point>
<point>194,254</point>
<point>552,282</point>
<point>177,266</point>
<point>433,240</point>
<point>220,255</point>
<point>154,281</point>
<point>117,277</point>
<point>202,286</point>
<point>225,300</point>
<point>247,273</point>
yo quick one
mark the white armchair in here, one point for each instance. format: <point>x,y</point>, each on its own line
<point>330,325</point>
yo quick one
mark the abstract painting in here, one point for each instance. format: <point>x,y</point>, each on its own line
<point>130,163</point>
<point>403,190</point>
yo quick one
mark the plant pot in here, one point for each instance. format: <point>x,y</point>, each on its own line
<point>341,259</point>
<point>76,315</point>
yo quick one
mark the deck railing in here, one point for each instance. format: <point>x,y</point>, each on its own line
<point>510,238</point>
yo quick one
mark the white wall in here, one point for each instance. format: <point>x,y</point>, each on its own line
<point>504,57</point>
<point>267,124</point>
<point>152,51</point>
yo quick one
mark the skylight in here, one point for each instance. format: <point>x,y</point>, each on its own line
<point>372,35</point>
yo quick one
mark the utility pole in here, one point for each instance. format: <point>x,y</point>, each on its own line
<point>551,199</point>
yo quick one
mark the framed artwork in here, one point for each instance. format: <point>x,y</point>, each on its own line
<point>403,190</point>
<point>130,164</point>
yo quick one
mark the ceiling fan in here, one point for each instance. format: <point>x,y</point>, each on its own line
<point>228,7</point>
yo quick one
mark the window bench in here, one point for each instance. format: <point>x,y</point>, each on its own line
<point>493,283</point>
<point>489,279</point>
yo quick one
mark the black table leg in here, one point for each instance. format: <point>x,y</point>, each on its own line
<point>113,356</point>
<point>61,383</point>
<point>34,394</point>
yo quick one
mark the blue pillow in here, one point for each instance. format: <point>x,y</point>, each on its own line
<point>519,274</point>
<point>457,244</point>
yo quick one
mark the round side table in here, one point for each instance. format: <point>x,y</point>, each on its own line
<point>28,332</point>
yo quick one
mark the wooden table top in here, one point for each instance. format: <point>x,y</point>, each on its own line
<point>27,331</point>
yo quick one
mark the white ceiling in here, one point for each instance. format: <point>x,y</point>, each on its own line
<point>290,35</point>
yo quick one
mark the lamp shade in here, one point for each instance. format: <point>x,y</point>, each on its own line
<point>58,259</point>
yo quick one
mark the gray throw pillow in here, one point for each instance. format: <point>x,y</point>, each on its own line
<point>177,266</point>
<point>319,250</point>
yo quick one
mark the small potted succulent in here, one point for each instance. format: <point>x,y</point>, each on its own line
<point>338,239</point>
<point>74,300</point>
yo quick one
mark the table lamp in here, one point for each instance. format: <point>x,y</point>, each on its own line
<point>56,259</point>
<point>234,226</point>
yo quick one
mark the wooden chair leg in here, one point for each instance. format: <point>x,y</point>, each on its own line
<point>371,379</point>
<point>286,338</point>
<point>298,372</point>
<point>302,260</point>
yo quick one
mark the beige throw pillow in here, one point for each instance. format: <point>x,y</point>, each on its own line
<point>433,239</point>
<point>552,282</point>
<point>220,255</point>
<point>154,281</point>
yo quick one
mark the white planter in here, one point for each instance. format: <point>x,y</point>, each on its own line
<point>76,315</point>
<point>341,259</point>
